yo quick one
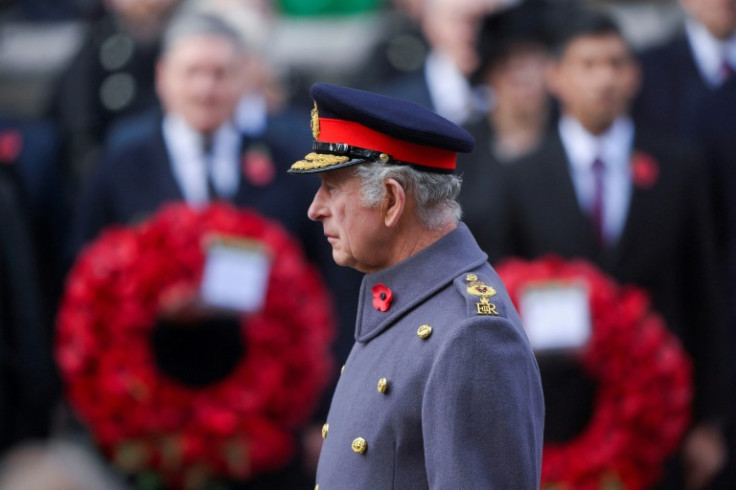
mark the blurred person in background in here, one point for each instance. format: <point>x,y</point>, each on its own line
<point>28,386</point>
<point>610,191</point>
<point>112,76</point>
<point>442,84</point>
<point>680,74</point>
<point>513,48</point>
<point>688,92</point>
<point>716,125</point>
<point>402,49</point>
<point>29,149</point>
<point>192,151</point>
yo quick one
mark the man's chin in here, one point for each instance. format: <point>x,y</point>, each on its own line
<point>342,260</point>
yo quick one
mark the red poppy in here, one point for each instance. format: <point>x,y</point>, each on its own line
<point>11,144</point>
<point>258,166</point>
<point>642,405</point>
<point>382,297</point>
<point>644,170</point>
<point>235,428</point>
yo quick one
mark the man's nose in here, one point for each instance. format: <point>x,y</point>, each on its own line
<point>316,210</point>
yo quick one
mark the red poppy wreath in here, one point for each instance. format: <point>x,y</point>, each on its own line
<point>234,424</point>
<point>642,403</point>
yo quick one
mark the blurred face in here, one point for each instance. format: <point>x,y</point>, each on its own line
<point>518,81</point>
<point>595,80</point>
<point>718,16</point>
<point>451,27</point>
<point>355,232</point>
<point>200,79</point>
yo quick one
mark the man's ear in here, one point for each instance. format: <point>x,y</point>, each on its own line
<point>394,203</point>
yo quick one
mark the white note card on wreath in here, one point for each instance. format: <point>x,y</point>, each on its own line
<point>235,275</point>
<point>556,316</point>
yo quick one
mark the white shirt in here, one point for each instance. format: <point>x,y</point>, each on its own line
<point>612,147</point>
<point>451,94</point>
<point>251,114</point>
<point>189,165</point>
<point>710,52</point>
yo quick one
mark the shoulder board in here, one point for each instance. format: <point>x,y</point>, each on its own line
<point>482,299</point>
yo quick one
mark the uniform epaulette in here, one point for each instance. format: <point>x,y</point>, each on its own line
<point>480,297</point>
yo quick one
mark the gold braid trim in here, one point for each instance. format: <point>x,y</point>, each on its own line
<point>319,160</point>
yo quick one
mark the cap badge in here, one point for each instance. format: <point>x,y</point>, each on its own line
<point>314,123</point>
<point>478,288</point>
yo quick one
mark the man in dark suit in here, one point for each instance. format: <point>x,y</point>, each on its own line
<point>192,151</point>
<point>680,74</point>
<point>603,189</point>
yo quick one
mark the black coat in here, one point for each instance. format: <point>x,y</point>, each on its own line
<point>673,90</point>
<point>28,383</point>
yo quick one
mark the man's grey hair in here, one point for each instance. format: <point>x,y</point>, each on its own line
<point>200,24</point>
<point>435,194</point>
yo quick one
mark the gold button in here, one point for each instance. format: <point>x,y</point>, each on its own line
<point>359,445</point>
<point>342,369</point>
<point>424,331</point>
<point>384,158</point>
<point>382,385</point>
<point>325,428</point>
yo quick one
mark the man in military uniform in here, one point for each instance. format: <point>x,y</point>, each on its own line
<point>441,389</point>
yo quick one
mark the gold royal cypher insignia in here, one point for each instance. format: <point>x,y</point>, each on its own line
<point>478,288</point>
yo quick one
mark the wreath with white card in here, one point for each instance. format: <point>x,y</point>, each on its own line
<point>141,377</point>
<point>642,404</point>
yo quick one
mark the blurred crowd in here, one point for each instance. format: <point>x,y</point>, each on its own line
<point>604,130</point>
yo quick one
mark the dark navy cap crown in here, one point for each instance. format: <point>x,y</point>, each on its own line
<point>352,126</point>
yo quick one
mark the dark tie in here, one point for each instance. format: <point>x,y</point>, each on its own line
<point>596,211</point>
<point>726,70</point>
<point>208,159</point>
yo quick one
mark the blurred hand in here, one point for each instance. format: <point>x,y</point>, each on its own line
<point>704,455</point>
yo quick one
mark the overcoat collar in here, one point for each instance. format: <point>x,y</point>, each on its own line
<point>415,279</point>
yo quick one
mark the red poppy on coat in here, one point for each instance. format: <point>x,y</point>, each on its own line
<point>11,144</point>
<point>258,166</point>
<point>644,170</point>
<point>382,297</point>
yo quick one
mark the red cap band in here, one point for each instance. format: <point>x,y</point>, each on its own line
<point>355,134</point>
